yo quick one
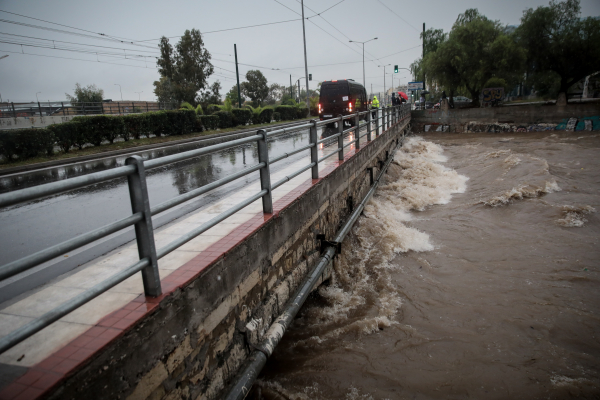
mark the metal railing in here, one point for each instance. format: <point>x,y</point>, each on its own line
<point>64,108</point>
<point>141,217</point>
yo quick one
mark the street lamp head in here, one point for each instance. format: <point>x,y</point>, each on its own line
<point>349,41</point>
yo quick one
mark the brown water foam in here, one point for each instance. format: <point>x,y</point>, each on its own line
<point>438,295</point>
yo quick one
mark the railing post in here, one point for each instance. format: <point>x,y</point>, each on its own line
<point>377,123</point>
<point>138,193</point>
<point>389,118</point>
<point>341,139</point>
<point>146,106</point>
<point>369,126</point>
<point>13,108</point>
<point>63,107</point>
<point>265,172</point>
<point>382,119</point>
<point>83,108</point>
<point>119,107</point>
<point>102,107</point>
<point>357,122</point>
<point>133,107</point>
<point>314,151</point>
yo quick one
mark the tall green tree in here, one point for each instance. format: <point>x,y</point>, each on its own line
<point>560,43</point>
<point>86,94</point>
<point>476,50</point>
<point>211,96</point>
<point>256,87</point>
<point>185,68</point>
<point>233,96</point>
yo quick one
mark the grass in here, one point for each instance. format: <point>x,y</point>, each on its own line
<point>131,144</point>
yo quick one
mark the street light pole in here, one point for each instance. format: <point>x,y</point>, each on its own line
<point>36,96</point>
<point>363,46</point>
<point>120,90</point>
<point>139,96</point>
<point>384,93</point>
<point>305,62</point>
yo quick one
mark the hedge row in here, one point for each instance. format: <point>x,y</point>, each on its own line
<point>93,130</point>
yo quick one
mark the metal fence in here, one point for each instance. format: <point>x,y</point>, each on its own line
<point>141,218</point>
<point>64,108</point>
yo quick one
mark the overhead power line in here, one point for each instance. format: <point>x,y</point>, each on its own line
<point>80,44</point>
<point>325,9</point>
<point>225,30</point>
<point>114,38</point>
<point>408,23</point>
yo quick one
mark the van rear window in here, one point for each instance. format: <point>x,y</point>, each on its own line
<point>334,89</point>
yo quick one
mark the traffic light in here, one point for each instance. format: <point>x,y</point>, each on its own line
<point>310,77</point>
<point>395,69</point>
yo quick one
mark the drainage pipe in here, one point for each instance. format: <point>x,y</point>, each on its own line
<point>257,360</point>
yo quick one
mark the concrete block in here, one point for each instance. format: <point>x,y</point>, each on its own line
<point>179,354</point>
<point>283,294</point>
<point>219,314</point>
<point>149,382</point>
<point>246,286</point>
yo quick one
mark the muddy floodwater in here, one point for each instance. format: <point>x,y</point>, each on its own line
<point>474,273</point>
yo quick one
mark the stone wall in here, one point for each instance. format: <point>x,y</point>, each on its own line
<point>509,118</point>
<point>196,340</point>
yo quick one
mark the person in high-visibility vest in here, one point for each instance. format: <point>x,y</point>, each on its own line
<point>374,106</point>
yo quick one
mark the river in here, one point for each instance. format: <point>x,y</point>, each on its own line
<point>473,273</point>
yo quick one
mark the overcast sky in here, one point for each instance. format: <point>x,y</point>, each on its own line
<point>275,49</point>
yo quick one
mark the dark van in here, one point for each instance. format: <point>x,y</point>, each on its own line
<point>342,97</point>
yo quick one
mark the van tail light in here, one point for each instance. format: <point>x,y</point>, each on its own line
<point>320,109</point>
<point>350,106</point>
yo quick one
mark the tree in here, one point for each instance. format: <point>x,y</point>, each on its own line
<point>211,96</point>
<point>276,92</point>
<point>87,94</point>
<point>233,96</point>
<point>560,43</point>
<point>186,68</point>
<point>476,50</point>
<point>256,87</point>
<point>163,89</point>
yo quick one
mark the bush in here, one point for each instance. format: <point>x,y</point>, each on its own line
<point>266,115</point>
<point>213,108</point>
<point>225,119</point>
<point>186,106</point>
<point>157,123</point>
<point>301,112</point>
<point>70,134</point>
<point>26,143</point>
<point>102,127</point>
<point>287,112</point>
<point>276,116</point>
<point>136,125</point>
<point>241,116</point>
<point>8,144</point>
<point>180,122</point>
<point>199,110</point>
<point>209,122</point>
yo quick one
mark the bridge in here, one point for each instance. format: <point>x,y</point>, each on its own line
<point>194,305</point>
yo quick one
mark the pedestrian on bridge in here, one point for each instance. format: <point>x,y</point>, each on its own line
<point>374,106</point>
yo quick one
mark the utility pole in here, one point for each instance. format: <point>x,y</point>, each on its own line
<point>298,82</point>
<point>237,74</point>
<point>116,84</point>
<point>305,62</point>
<point>423,57</point>
<point>291,88</point>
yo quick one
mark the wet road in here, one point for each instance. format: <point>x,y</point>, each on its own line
<point>33,226</point>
